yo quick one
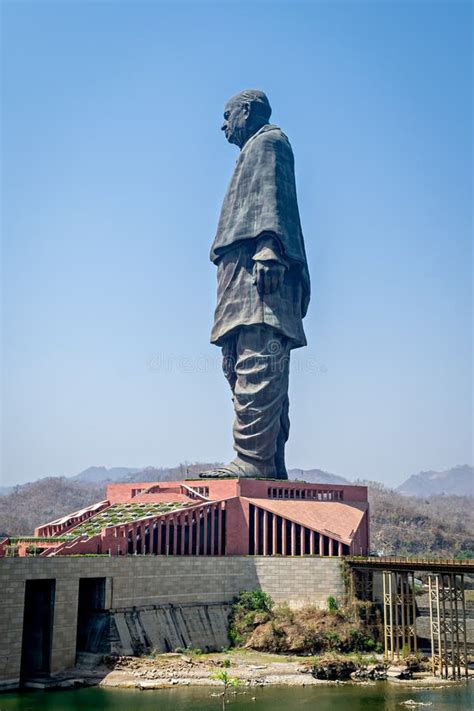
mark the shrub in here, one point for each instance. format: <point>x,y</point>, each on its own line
<point>360,642</point>
<point>332,603</point>
<point>255,623</point>
<point>250,608</point>
<point>333,641</point>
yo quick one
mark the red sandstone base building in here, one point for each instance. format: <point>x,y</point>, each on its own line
<point>208,517</point>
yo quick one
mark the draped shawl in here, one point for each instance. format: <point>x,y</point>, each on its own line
<point>261,197</point>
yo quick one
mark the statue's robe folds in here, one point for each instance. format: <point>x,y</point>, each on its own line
<point>260,221</point>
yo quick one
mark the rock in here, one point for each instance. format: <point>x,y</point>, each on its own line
<point>373,672</point>
<point>411,702</point>
<point>403,672</point>
<point>334,670</point>
<point>304,670</point>
<point>71,684</point>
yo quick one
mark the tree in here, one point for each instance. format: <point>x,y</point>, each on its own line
<point>229,683</point>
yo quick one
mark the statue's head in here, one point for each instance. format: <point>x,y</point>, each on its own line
<point>245,114</point>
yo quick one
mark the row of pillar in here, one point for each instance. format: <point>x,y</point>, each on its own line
<point>448,630</point>
<point>153,535</point>
<point>399,614</point>
<point>287,542</point>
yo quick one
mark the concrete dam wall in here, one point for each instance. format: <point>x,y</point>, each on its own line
<point>169,627</point>
<point>163,628</point>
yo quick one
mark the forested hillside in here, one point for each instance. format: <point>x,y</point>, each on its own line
<point>441,526</point>
<point>29,505</point>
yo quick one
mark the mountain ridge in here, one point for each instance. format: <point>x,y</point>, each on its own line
<point>458,480</point>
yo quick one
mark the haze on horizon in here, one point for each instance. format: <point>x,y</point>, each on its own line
<point>114,169</point>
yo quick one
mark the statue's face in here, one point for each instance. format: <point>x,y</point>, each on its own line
<point>235,126</point>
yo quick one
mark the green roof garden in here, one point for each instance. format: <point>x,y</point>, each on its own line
<point>120,514</point>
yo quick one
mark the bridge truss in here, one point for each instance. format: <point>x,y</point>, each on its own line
<point>447,608</point>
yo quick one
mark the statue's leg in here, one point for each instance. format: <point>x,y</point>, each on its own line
<point>228,360</point>
<point>282,439</point>
<point>261,401</point>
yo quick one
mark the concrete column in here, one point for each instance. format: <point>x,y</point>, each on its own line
<point>142,533</point>
<point>311,542</point>
<point>205,530</point>
<point>167,545</point>
<point>265,533</point>
<point>293,538</point>
<point>135,539</point>
<point>274,535</point>
<point>213,528</point>
<point>174,521</point>
<point>283,536</point>
<point>168,537</point>
<point>302,539</point>
<point>158,538</point>
<point>182,519</point>
<point>321,544</point>
<point>220,529</point>
<point>255,531</point>
<point>191,537</point>
<point>331,546</point>
<point>339,549</point>
<point>198,531</point>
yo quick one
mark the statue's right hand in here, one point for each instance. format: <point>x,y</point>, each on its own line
<point>267,276</point>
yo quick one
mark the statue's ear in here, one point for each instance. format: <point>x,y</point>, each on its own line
<point>246,109</point>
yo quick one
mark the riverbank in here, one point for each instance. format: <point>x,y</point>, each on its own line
<point>251,669</point>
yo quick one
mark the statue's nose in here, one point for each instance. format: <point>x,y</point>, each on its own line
<point>223,127</point>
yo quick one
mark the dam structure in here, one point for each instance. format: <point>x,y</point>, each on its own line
<point>59,608</point>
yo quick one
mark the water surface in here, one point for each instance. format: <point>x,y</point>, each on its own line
<point>380,697</point>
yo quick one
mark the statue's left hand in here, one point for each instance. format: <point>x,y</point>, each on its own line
<point>268,276</point>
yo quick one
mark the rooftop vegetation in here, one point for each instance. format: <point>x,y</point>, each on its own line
<point>37,539</point>
<point>119,514</point>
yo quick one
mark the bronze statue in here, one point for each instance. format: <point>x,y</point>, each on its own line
<point>263,286</point>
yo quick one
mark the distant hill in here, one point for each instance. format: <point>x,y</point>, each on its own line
<point>456,481</point>
<point>183,471</point>
<point>316,476</point>
<point>29,505</point>
<point>100,474</point>
<point>438,526</point>
<point>130,474</point>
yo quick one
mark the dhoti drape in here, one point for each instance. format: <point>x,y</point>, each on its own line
<point>256,364</point>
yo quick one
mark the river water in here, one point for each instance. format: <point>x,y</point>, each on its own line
<point>382,696</point>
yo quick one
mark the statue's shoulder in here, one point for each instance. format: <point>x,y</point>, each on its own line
<point>271,139</point>
<point>271,134</point>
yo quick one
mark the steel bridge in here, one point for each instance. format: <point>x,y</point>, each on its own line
<point>447,606</point>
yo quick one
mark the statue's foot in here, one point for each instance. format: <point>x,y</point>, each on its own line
<point>240,468</point>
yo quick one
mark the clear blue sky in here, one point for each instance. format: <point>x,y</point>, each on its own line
<point>114,169</point>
